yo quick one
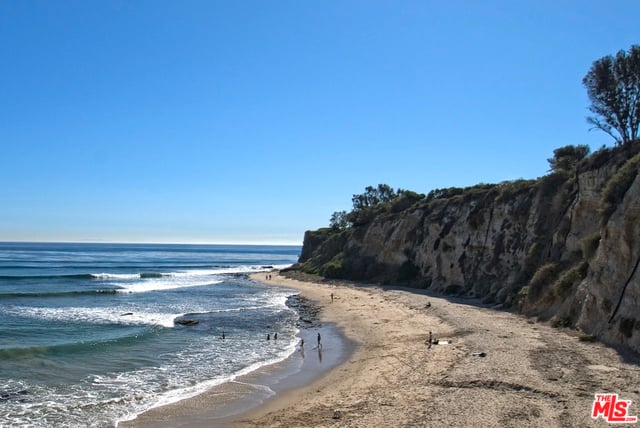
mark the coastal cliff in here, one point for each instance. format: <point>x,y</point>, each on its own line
<point>564,247</point>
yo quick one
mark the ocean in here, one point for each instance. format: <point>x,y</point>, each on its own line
<point>88,332</point>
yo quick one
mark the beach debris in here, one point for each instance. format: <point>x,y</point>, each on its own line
<point>479,354</point>
<point>337,414</point>
<point>126,314</point>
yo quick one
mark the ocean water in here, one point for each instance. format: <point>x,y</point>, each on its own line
<point>88,334</point>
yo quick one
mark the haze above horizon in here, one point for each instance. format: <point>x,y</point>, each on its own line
<point>251,122</point>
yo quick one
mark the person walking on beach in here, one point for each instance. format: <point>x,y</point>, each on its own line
<point>319,338</point>
<point>223,336</point>
<point>275,336</point>
<point>331,297</point>
<point>268,336</point>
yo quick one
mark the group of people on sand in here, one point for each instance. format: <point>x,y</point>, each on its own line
<point>319,342</point>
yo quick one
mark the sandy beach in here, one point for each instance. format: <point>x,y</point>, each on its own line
<point>531,375</point>
<point>490,368</point>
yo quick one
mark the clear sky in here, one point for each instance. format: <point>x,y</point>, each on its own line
<point>252,121</point>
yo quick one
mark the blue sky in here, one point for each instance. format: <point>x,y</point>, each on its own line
<point>252,121</point>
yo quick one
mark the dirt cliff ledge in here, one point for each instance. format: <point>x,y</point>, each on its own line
<point>565,247</point>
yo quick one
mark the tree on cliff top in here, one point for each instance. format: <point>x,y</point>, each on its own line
<point>374,200</point>
<point>339,220</point>
<point>613,86</point>
<point>373,196</point>
<point>566,158</point>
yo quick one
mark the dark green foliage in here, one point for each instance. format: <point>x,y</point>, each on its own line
<point>587,338</point>
<point>375,201</point>
<point>520,298</point>
<point>549,184</point>
<point>612,156</point>
<point>339,220</point>
<point>444,193</point>
<point>561,322</point>
<point>373,196</point>
<point>405,200</point>
<point>467,193</point>
<point>510,189</point>
<point>569,279</point>
<point>567,158</point>
<point>364,216</point>
<point>334,267</point>
<point>543,277</point>
<point>597,159</point>
<point>617,186</point>
<point>613,86</point>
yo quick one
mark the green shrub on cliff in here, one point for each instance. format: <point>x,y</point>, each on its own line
<point>371,203</point>
<point>334,267</point>
<point>617,186</point>
<point>569,279</point>
<point>405,200</point>
<point>543,277</point>
<point>511,189</point>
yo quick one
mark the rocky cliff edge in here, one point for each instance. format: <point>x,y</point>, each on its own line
<point>564,247</point>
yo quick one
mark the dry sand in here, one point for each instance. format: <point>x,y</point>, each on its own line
<point>532,375</point>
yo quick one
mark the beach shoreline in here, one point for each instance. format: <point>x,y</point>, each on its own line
<point>490,368</point>
<point>222,404</point>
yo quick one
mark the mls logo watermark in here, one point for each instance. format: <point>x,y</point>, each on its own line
<point>612,409</point>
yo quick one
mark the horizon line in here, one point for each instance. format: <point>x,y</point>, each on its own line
<point>98,241</point>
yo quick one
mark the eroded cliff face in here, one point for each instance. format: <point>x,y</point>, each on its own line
<point>542,247</point>
<point>608,300</point>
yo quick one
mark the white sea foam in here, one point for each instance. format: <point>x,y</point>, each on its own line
<point>158,284</point>
<point>241,269</point>
<point>183,393</point>
<point>115,275</point>
<point>98,316</point>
